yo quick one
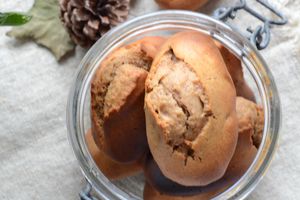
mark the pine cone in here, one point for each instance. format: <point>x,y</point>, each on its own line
<point>87,20</point>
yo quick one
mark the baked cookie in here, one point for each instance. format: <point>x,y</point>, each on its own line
<point>117,100</point>
<point>190,110</point>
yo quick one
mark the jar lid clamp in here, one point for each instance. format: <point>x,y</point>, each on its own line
<point>260,36</point>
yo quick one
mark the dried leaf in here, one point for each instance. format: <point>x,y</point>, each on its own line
<point>45,28</point>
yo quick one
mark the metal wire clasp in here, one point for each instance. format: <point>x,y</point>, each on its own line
<point>260,36</point>
<point>85,193</point>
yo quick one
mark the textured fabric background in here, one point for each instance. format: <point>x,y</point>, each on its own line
<point>36,160</point>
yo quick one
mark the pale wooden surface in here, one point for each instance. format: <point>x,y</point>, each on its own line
<point>36,160</point>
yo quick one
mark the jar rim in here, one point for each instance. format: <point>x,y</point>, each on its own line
<point>150,22</point>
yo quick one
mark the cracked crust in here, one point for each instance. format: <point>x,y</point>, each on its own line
<point>117,99</point>
<point>110,168</point>
<point>190,110</point>
<point>162,188</point>
<point>235,69</point>
<point>245,152</point>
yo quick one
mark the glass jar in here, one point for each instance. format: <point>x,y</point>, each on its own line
<point>164,23</point>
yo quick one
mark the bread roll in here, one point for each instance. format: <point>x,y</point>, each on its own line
<point>190,110</point>
<point>110,168</point>
<point>181,4</point>
<point>251,119</point>
<point>250,123</point>
<point>234,67</point>
<point>117,100</point>
<point>240,162</point>
<point>160,187</point>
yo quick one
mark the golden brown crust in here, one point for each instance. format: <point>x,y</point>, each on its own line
<point>251,123</point>
<point>181,4</point>
<point>160,187</point>
<point>117,98</point>
<point>243,157</point>
<point>251,119</point>
<point>164,190</point>
<point>191,154</point>
<point>110,168</point>
<point>234,67</point>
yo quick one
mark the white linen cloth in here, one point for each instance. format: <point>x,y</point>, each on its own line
<point>36,159</point>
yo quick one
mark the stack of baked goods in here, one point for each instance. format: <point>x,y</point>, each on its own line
<point>179,110</point>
